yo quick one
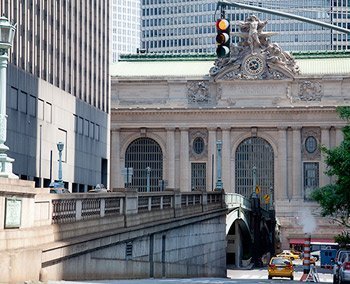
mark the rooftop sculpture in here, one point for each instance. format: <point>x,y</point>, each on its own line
<point>255,57</point>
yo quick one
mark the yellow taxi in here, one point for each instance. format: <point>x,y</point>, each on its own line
<point>280,267</point>
<point>288,254</point>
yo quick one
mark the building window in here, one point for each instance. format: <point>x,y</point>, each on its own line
<point>40,109</point>
<point>141,154</point>
<point>311,144</point>
<point>32,106</point>
<point>80,125</point>
<point>48,112</point>
<point>14,98</point>
<point>198,176</point>
<point>97,132</point>
<point>311,178</point>
<point>198,145</point>
<point>86,127</point>
<point>254,152</point>
<point>22,102</point>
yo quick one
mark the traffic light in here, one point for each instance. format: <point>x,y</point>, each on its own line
<point>223,38</point>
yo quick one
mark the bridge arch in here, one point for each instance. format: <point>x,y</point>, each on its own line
<point>239,239</point>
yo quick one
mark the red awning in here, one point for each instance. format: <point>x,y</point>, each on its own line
<point>302,240</point>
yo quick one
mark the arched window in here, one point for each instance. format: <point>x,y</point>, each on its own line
<point>141,154</point>
<point>254,152</point>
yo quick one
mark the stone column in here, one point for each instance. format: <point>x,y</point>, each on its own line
<point>226,160</point>
<point>281,170</point>
<point>184,161</point>
<point>325,141</point>
<point>171,156</point>
<point>211,173</point>
<point>339,136</point>
<point>297,164</point>
<point>117,180</point>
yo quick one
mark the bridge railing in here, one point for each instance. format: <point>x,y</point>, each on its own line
<point>76,207</point>
<point>233,200</point>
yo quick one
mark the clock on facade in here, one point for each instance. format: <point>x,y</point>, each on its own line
<point>254,65</point>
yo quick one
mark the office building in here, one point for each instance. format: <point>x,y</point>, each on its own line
<point>58,90</point>
<point>178,26</point>
<point>125,27</point>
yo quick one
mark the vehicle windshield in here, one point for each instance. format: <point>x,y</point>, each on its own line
<point>280,261</point>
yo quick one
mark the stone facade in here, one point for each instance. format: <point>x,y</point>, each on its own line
<point>286,101</point>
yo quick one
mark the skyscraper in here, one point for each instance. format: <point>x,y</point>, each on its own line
<point>125,27</point>
<point>189,26</point>
<point>58,90</point>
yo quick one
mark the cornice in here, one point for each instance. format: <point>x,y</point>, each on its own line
<point>242,110</point>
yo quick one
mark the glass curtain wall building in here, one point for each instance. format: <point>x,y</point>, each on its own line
<point>58,90</point>
<point>177,26</point>
<point>125,27</point>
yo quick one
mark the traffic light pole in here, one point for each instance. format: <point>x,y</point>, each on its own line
<point>224,3</point>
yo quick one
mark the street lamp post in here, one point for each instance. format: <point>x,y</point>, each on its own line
<point>148,170</point>
<point>60,146</point>
<point>219,184</point>
<point>7,33</point>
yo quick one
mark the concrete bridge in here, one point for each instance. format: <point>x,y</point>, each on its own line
<point>121,234</point>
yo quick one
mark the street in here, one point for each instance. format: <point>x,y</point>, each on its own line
<point>251,276</point>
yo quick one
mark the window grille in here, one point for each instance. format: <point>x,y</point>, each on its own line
<point>140,154</point>
<point>198,176</point>
<point>128,251</point>
<point>198,145</point>
<point>254,151</point>
<point>311,178</point>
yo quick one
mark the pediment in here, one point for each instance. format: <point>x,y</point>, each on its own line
<point>254,57</point>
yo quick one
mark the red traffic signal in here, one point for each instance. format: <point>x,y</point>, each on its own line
<point>223,37</point>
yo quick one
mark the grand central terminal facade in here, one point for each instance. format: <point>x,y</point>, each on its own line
<point>270,110</point>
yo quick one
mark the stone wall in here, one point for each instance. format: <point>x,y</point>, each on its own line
<point>193,250</point>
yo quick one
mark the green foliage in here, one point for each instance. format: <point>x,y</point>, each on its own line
<point>334,199</point>
<point>342,239</point>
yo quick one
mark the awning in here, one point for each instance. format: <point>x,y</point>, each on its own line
<point>301,241</point>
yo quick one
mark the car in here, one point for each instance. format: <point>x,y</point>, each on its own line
<point>280,267</point>
<point>341,254</point>
<point>288,254</point>
<point>344,269</point>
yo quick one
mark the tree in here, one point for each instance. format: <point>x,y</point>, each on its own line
<point>334,198</point>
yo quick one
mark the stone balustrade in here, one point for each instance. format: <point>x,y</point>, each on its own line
<point>234,200</point>
<point>47,218</point>
<point>69,208</point>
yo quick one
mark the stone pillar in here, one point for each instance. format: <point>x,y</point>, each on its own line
<point>281,173</point>
<point>297,164</point>
<point>211,173</point>
<point>171,156</point>
<point>339,136</point>
<point>238,244</point>
<point>226,160</point>
<point>184,161</point>
<point>117,180</point>
<point>325,141</point>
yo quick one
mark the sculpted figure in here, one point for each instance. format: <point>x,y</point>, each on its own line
<point>253,26</point>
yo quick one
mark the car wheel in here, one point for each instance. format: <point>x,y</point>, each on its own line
<point>292,278</point>
<point>270,277</point>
